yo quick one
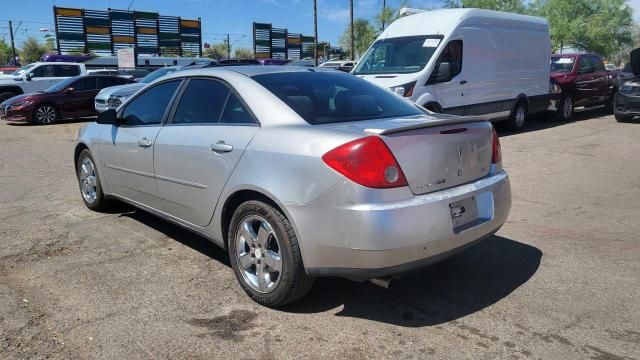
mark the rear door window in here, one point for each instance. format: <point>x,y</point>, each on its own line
<point>235,112</point>
<point>201,102</point>
<point>85,84</point>
<point>66,70</point>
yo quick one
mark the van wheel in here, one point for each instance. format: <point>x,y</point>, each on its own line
<point>565,110</point>
<point>265,255</point>
<point>518,117</point>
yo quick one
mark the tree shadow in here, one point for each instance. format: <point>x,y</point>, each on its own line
<point>461,285</point>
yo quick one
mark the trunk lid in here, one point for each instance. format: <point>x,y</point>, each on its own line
<point>435,153</point>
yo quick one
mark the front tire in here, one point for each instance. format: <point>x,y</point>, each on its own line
<point>623,118</point>
<point>45,114</point>
<point>265,255</point>
<point>89,182</point>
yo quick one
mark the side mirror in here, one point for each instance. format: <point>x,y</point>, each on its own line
<point>109,117</point>
<point>444,72</point>
<point>28,76</point>
<point>69,90</point>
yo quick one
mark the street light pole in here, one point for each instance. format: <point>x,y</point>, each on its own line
<point>315,31</point>
<point>353,53</point>
<point>13,46</point>
<point>384,8</point>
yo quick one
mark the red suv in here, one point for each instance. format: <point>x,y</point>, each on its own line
<point>580,80</point>
<point>70,98</point>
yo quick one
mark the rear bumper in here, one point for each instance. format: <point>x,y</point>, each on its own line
<point>361,233</point>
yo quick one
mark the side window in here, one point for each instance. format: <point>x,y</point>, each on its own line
<point>104,82</point>
<point>66,70</point>
<point>201,102</point>
<point>451,54</point>
<point>235,112</point>
<point>85,84</point>
<point>585,65</point>
<point>149,108</point>
<point>43,71</point>
<point>597,63</point>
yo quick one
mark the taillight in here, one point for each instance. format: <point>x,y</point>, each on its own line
<point>497,151</point>
<point>368,162</point>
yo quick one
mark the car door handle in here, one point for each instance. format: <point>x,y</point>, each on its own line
<point>221,147</point>
<point>463,82</point>
<point>144,142</point>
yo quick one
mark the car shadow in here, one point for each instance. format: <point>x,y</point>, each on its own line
<point>175,232</point>
<point>456,287</point>
<point>545,121</point>
<point>451,289</point>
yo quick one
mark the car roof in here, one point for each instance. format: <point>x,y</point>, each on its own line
<point>247,70</point>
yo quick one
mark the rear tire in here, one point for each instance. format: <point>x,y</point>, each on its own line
<point>263,245</point>
<point>45,114</point>
<point>565,110</point>
<point>6,96</point>
<point>518,117</point>
<point>610,105</point>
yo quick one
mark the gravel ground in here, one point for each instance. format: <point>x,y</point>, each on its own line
<point>560,280</point>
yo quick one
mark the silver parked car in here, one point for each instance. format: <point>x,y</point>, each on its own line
<point>298,173</point>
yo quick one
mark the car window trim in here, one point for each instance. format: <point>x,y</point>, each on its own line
<point>231,89</point>
<point>163,121</point>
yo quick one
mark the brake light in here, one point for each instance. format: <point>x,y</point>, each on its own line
<point>368,162</point>
<point>497,150</point>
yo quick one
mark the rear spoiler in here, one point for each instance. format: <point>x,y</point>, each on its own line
<point>419,123</point>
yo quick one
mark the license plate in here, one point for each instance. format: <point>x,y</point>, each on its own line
<point>463,212</point>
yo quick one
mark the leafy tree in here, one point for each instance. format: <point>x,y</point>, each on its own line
<point>216,51</point>
<point>243,53</point>
<point>513,6</point>
<point>389,14</point>
<point>5,52</point>
<point>364,35</point>
<point>32,50</point>
<point>601,26</point>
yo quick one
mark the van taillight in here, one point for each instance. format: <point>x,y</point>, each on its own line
<point>368,162</point>
<point>497,151</point>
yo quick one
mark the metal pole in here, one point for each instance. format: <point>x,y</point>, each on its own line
<point>384,7</point>
<point>315,31</point>
<point>228,48</point>
<point>352,42</point>
<point>13,46</point>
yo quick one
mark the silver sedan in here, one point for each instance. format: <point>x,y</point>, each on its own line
<point>298,173</point>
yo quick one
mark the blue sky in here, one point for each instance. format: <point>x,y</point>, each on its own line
<point>218,16</point>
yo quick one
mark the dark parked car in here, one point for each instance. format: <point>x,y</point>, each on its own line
<point>583,81</point>
<point>627,100</point>
<point>70,98</point>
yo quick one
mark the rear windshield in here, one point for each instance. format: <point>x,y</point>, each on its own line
<point>562,64</point>
<point>333,97</point>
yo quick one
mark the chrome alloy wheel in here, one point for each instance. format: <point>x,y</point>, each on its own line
<point>87,179</point>
<point>258,254</point>
<point>46,114</point>
<point>520,116</point>
<point>568,108</point>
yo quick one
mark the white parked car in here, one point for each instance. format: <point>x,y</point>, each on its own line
<point>37,77</point>
<point>342,65</point>
<point>465,62</point>
<point>112,97</point>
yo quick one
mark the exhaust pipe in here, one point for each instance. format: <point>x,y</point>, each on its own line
<point>386,283</point>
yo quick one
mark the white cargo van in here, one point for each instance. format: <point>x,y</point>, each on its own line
<point>465,62</point>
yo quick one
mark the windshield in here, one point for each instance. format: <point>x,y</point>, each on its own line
<point>332,97</point>
<point>562,64</point>
<point>61,85</point>
<point>22,70</point>
<point>401,55</point>
<point>157,74</point>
